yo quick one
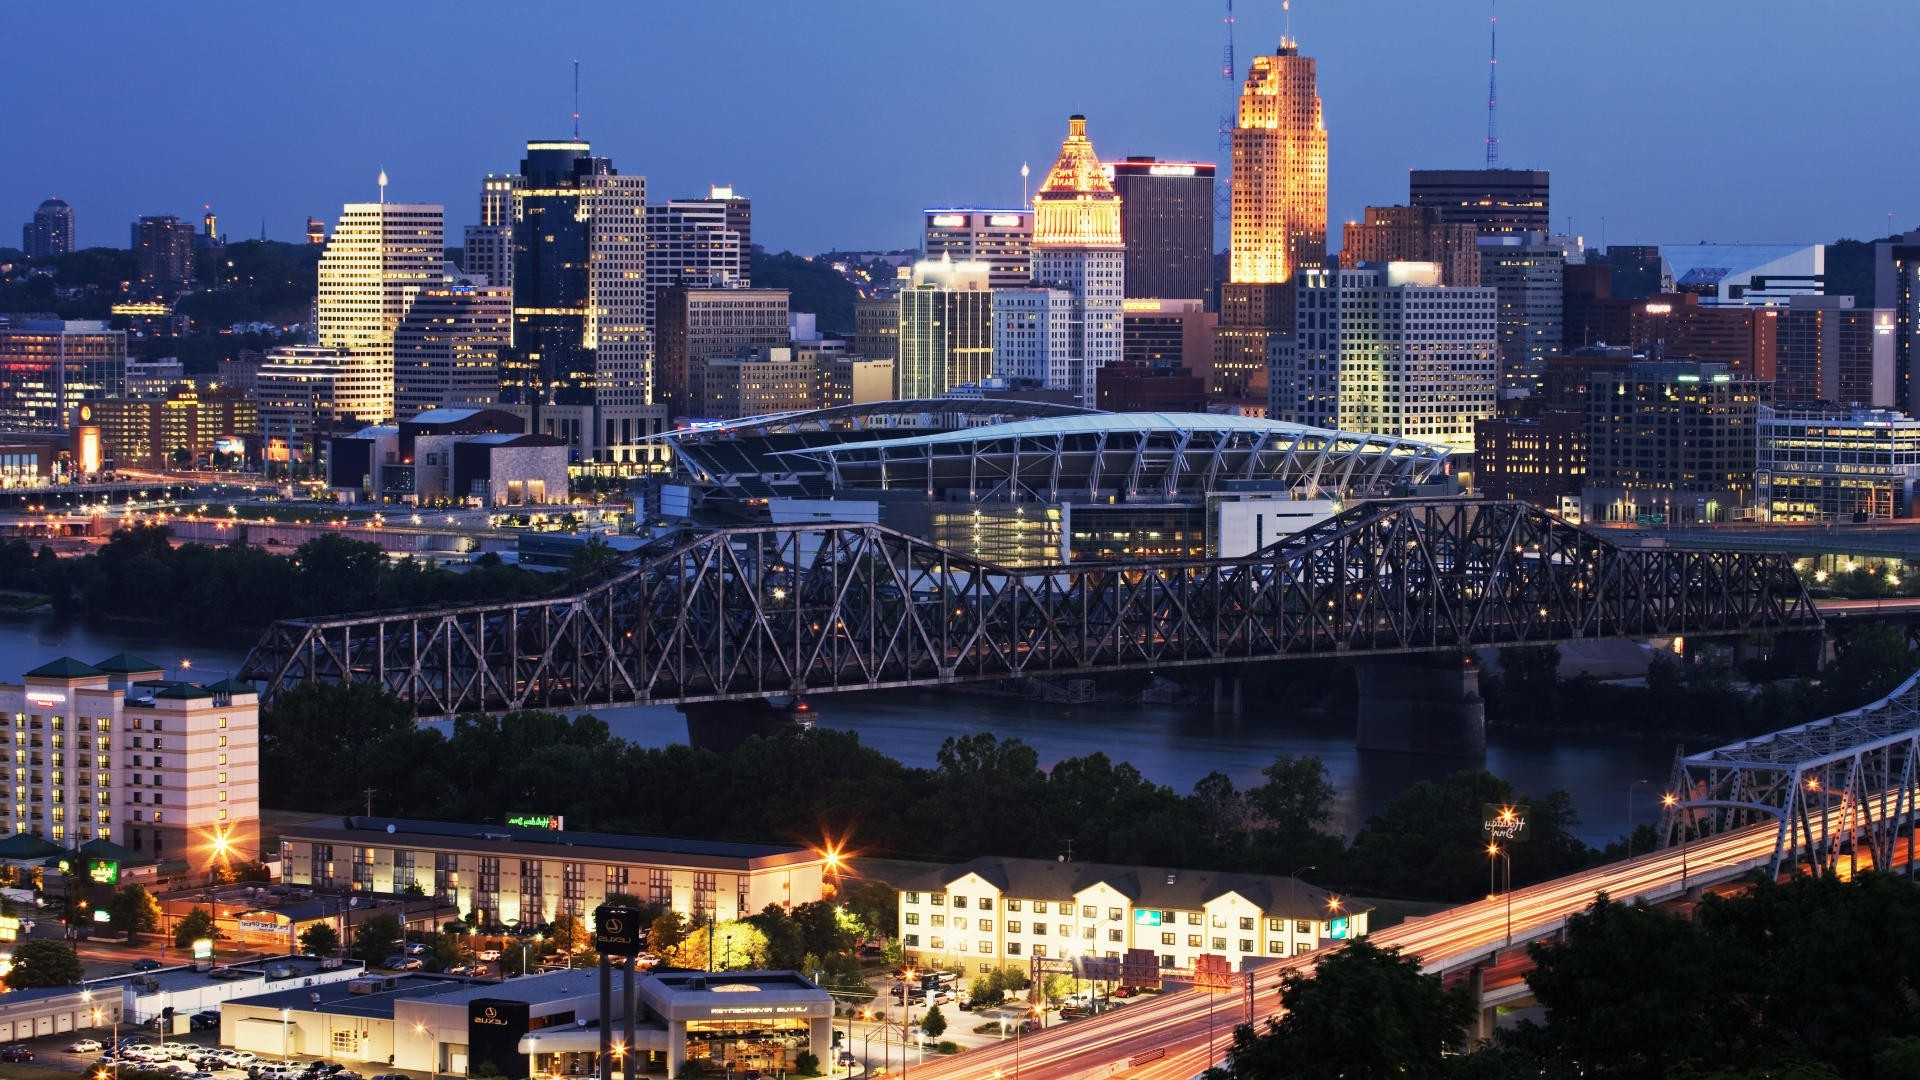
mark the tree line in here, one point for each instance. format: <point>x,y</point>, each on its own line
<point>324,746</point>
<point>139,573</point>
<point>1813,978</point>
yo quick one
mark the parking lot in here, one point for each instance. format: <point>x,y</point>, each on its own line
<point>184,1055</point>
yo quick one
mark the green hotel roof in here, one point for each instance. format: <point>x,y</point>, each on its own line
<point>127,664</point>
<point>64,668</point>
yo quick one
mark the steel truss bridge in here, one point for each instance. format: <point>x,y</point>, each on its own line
<point>1833,788</point>
<point>768,611</point>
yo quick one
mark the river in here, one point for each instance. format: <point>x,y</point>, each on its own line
<point>1169,744</point>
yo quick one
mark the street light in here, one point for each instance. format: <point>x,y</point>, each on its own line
<point>1630,788</point>
<point>1493,850</point>
<point>433,1048</point>
<point>1670,800</point>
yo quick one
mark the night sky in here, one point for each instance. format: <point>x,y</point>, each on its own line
<point>1726,120</point>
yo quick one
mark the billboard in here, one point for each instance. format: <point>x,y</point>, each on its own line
<point>494,1030</point>
<point>104,871</point>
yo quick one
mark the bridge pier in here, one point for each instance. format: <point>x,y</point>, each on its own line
<point>1428,704</point>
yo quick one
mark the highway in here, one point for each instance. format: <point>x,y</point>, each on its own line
<point>1168,1035</point>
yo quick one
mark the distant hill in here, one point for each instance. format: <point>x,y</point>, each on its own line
<point>813,286</point>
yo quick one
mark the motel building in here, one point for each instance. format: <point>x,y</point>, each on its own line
<point>540,1025</point>
<point>997,912</point>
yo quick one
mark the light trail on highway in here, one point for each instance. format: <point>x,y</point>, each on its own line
<point>1178,1034</point>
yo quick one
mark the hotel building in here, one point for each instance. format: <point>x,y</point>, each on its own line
<point>115,751</point>
<point>993,912</point>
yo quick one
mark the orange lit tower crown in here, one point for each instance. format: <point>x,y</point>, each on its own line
<point>1279,171</point>
<point>1076,206</point>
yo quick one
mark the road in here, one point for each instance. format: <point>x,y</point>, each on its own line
<point>1175,1035</point>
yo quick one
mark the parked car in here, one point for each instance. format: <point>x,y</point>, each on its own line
<point>85,1046</point>
<point>206,1018</point>
<point>15,1053</point>
<point>402,963</point>
<point>415,949</point>
<point>489,955</point>
<point>179,1051</point>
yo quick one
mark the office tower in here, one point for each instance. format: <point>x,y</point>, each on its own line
<point>380,257</point>
<point>1669,443</point>
<point>316,231</point>
<point>581,364</point>
<point>1497,202</point>
<point>176,429</point>
<point>1413,234</point>
<point>1636,270</point>
<point>1168,334</point>
<point>163,255</point>
<point>487,250</point>
<point>1679,326</point>
<point>876,327</point>
<point>946,335</point>
<point>1002,238</point>
<point>1529,275</point>
<point>1166,221</point>
<point>1077,250</point>
<point>1278,223</point>
<point>1896,288</point>
<point>701,243</point>
<point>307,393</point>
<point>1831,351</point>
<point>1591,312</point>
<point>1541,459</point>
<point>1836,464</point>
<point>702,324</point>
<point>1388,351</point>
<point>48,367</point>
<point>447,349</point>
<point>50,232</point>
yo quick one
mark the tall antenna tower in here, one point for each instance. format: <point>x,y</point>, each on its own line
<point>1493,96</point>
<point>576,101</point>
<point>1229,119</point>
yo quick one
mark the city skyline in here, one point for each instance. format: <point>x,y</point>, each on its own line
<point>1619,136</point>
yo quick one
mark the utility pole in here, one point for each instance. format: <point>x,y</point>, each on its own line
<point>369,794</point>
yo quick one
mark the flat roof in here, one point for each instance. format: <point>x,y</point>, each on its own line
<point>532,989</point>
<point>453,832</point>
<point>339,999</point>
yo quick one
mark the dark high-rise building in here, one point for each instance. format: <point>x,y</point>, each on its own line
<point>1590,312</point>
<point>1896,286</point>
<point>50,232</point>
<point>1540,459</point>
<point>876,327</point>
<point>1670,443</point>
<point>1677,326</point>
<point>163,254</point>
<point>1831,351</point>
<point>1413,234</point>
<point>1636,270</point>
<point>1166,220</point>
<point>581,360</point>
<point>1494,201</point>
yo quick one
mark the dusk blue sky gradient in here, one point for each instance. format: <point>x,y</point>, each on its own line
<point>1726,120</point>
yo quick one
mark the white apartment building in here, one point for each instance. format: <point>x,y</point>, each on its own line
<point>378,259</point>
<point>1033,336</point>
<point>992,912</point>
<point>115,751</point>
<point>704,243</point>
<point>1385,349</point>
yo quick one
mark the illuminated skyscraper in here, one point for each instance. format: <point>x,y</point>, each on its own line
<point>1001,238</point>
<point>447,350</point>
<point>50,232</point>
<point>488,251</point>
<point>946,328</point>
<point>1279,220</point>
<point>581,364</point>
<point>700,243</point>
<point>380,257</point>
<point>1077,250</point>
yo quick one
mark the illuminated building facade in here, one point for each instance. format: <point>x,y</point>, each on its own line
<point>1528,274</point>
<point>176,431</point>
<point>1168,334</point>
<point>702,324</point>
<point>1830,351</point>
<point>50,232</point>
<point>447,350</point>
<point>1002,238</point>
<point>49,367</point>
<point>1896,287</point>
<point>1387,349</point>
<point>1836,465</point>
<point>307,392</point>
<point>1077,249</point>
<point>700,243</point>
<point>488,250</point>
<point>946,331</point>
<point>1413,234</point>
<point>581,364</point>
<point>1539,459</point>
<point>1493,201</point>
<point>1669,443</point>
<point>379,258</point>
<point>1166,221</point>
<point>116,751</point>
<point>1279,214</point>
<point>876,327</point>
